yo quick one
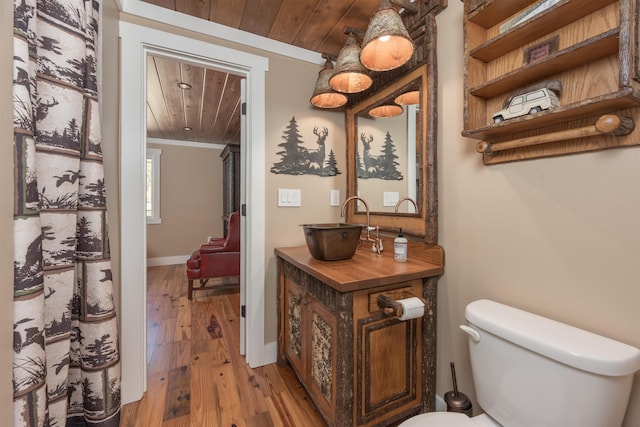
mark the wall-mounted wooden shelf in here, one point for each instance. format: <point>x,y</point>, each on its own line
<point>561,14</point>
<point>581,53</point>
<point>589,46</point>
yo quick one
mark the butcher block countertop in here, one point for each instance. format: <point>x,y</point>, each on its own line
<point>366,269</point>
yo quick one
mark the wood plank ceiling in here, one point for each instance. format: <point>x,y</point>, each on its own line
<point>211,108</point>
<point>209,111</point>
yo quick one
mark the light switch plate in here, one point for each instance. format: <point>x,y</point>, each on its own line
<point>289,197</point>
<point>390,198</point>
<point>335,198</point>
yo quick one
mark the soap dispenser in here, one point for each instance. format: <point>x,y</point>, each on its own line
<point>400,248</point>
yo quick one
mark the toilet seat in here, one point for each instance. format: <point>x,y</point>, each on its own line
<point>439,419</point>
<point>449,419</point>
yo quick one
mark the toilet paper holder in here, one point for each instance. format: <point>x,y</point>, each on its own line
<point>392,307</point>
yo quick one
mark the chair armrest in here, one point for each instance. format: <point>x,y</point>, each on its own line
<point>210,249</point>
<point>193,262</point>
<point>217,241</point>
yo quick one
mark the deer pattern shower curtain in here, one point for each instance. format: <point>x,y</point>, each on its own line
<point>66,368</point>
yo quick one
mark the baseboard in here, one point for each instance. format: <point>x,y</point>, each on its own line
<point>167,260</point>
<point>441,406</point>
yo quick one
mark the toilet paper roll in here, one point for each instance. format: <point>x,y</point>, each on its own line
<point>412,308</point>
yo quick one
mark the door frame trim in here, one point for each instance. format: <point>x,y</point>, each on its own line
<point>136,42</point>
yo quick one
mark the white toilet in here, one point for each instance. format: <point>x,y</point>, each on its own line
<point>530,371</point>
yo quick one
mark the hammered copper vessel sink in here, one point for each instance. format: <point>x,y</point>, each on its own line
<point>332,241</point>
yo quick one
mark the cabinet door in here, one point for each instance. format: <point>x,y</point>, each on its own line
<point>389,358</point>
<point>321,336</point>
<point>294,327</point>
<point>389,367</point>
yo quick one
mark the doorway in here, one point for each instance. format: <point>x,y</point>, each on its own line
<point>137,43</point>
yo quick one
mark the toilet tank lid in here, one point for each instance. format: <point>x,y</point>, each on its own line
<point>567,344</point>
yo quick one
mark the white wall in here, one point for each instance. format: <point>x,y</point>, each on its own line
<point>190,202</point>
<point>556,236</point>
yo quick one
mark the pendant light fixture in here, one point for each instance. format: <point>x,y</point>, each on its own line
<point>408,98</point>
<point>323,94</point>
<point>387,44</point>
<point>386,110</point>
<point>350,76</point>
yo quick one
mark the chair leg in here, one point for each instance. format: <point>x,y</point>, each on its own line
<point>190,289</point>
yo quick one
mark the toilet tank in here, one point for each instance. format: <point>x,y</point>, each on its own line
<point>530,371</point>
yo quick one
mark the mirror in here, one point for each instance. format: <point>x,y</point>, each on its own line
<point>386,152</point>
<point>388,158</point>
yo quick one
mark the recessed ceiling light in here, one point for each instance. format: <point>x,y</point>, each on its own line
<point>187,128</point>
<point>184,86</point>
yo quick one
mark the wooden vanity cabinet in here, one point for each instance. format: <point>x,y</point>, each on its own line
<point>360,366</point>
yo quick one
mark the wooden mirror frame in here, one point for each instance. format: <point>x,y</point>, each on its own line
<point>424,224</point>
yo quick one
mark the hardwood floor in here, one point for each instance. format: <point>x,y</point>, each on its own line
<point>196,376</point>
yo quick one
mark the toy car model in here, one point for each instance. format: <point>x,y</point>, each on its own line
<point>527,103</point>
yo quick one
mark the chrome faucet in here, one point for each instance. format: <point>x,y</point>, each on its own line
<point>408,199</point>
<point>376,242</point>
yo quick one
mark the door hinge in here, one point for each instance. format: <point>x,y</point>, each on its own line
<point>243,209</point>
<point>244,108</point>
<point>243,311</point>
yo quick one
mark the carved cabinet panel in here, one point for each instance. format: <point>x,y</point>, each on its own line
<point>322,357</point>
<point>294,326</point>
<point>309,344</point>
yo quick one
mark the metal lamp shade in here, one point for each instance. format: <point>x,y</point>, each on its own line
<point>323,95</point>
<point>350,76</point>
<point>389,110</point>
<point>387,44</point>
<point>408,98</point>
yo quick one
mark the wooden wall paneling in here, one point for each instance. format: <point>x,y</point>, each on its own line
<point>258,16</point>
<point>169,72</point>
<point>352,17</point>
<point>199,8</point>
<point>157,104</point>
<point>192,98</point>
<point>153,127</point>
<point>315,30</point>
<point>289,21</point>
<point>227,12</point>
<point>214,83</point>
<point>227,121</point>
<point>168,4</point>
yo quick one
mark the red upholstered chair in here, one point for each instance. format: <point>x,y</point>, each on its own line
<point>218,258</point>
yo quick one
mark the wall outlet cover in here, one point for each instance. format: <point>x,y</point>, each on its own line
<point>335,198</point>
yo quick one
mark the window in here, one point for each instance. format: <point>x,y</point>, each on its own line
<point>153,186</point>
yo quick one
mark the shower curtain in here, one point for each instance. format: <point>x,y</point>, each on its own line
<point>66,366</point>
